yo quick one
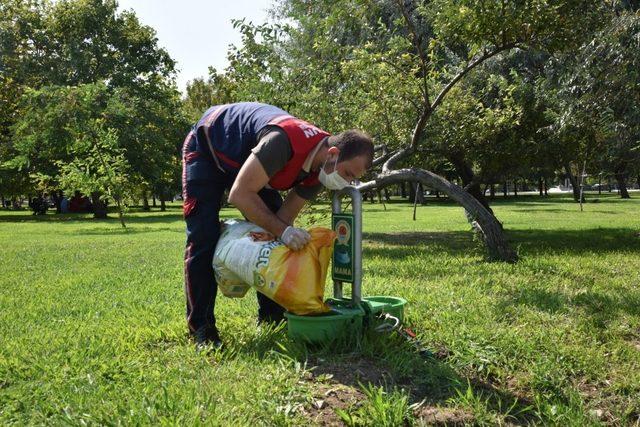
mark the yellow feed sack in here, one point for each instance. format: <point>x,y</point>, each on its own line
<point>293,279</point>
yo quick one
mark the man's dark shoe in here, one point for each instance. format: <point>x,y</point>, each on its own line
<point>207,337</point>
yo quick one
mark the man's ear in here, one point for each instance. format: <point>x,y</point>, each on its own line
<point>333,151</point>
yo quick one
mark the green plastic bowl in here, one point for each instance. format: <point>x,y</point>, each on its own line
<point>387,304</point>
<point>343,322</point>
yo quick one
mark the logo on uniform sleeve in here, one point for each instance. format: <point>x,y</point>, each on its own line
<point>308,130</point>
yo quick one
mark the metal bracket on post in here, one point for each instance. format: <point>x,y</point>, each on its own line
<point>347,257</point>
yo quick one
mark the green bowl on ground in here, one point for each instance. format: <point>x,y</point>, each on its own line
<point>386,304</point>
<point>342,322</point>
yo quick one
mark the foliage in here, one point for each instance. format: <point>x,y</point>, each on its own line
<point>73,43</point>
<point>598,99</point>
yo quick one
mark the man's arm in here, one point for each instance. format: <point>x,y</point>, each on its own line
<point>244,195</point>
<point>291,207</point>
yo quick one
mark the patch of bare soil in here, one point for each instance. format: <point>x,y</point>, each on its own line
<point>352,372</point>
<point>436,416</point>
<point>329,397</point>
<point>336,386</point>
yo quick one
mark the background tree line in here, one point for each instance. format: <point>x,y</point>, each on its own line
<point>478,93</point>
<point>88,102</point>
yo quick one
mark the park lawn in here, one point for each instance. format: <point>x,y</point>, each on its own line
<point>92,325</point>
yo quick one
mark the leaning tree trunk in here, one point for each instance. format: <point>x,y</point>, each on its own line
<point>474,189</point>
<point>574,184</point>
<point>622,185</point>
<point>482,220</point>
<point>469,181</point>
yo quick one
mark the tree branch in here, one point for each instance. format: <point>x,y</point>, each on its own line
<point>480,218</point>
<point>416,44</point>
<point>473,64</point>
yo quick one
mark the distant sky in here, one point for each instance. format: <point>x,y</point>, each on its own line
<point>196,33</point>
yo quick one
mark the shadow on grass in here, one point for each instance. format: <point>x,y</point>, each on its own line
<point>119,231</point>
<point>345,367</point>
<point>169,216</point>
<point>598,308</point>
<point>529,242</point>
<point>592,240</point>
<point>546,211</point>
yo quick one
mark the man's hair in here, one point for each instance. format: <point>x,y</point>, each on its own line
<point>352,143</point>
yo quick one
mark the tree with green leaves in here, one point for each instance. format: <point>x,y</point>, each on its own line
<point>82,44</point>
<point>598,101</point>
<point>63,140</point>
<point>389,66</point>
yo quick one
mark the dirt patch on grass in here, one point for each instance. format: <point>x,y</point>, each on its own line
<point>337,386</point>
<point>329,397</point>
<point>436,416</point>
<point>353,372</point>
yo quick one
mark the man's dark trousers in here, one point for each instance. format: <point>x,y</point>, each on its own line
<point>203,187</point>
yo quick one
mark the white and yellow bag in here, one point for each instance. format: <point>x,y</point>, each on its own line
<point>247,256</point>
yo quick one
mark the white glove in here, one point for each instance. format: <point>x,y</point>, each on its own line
<point>295,238</point>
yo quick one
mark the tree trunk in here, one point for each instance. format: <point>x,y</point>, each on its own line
<point>154,199</point>
<point>469,182</point>
<point>163,205</point>
<point>540,186</point>
<point>599,185</point>
<point>482,221</point>
<point>515,188</point>
<point>403,190</point>
<point>621,177</point>
<point>99,207</point>
<point>546,188</point>
<point>418,193</point>
<point>120,212</point>
<point>145,201</point>
<point>475,191</point>
<point>574,184</point>
<point>57,200</point>
<point>2,199</point>
<point>492,191</point>
<point>380,199</point>
<point>505,189</point>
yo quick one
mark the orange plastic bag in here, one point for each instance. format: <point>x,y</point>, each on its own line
<point>293,279</point>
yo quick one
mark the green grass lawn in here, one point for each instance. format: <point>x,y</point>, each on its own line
<point>92,327</point>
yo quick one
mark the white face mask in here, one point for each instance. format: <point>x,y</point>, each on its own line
<point>333,180</point>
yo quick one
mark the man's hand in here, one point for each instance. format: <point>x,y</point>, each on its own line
<point>295,238</point>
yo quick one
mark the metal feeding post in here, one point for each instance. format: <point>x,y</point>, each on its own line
<point>348,316</point>
<point>347,248</point>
